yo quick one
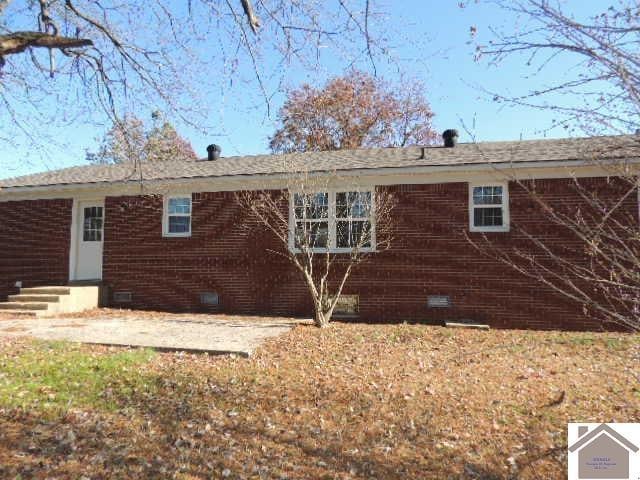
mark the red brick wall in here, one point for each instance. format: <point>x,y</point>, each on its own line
<point>430,256</point>
<point>225,254</point>
<point>34,243</point>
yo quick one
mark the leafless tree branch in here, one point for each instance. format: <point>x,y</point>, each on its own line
<point>324,270</point>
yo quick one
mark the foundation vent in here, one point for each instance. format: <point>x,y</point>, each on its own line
<point>347,306</point>
<point>209,298</point>
<point>122,297</point>
<point>438,301</point>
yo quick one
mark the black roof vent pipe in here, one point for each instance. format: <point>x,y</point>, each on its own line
<point>450,137</point>
<point>213,152</point>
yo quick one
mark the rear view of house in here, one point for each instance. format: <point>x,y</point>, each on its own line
<point>172,236</point>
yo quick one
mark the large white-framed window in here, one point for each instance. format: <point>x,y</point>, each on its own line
<point>176,218</point>
<point>333,220</point>
<point>489,207</point>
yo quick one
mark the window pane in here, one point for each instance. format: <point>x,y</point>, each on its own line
<point>298,204</point>
<point>298,234</point>
<point>487,195</point>
<point>179,224</point>
<point>92,224</point>
<point>311,206</point>
<point>96,223</point>
<point>179,206</point>
<point>352,234</point>
<point>318,206</point>
<point>342,205</point>
<point>343,237</point>
<point>353,204</point>
<point>361,204</point>
<point>313,234</point>
<point>487,217</point>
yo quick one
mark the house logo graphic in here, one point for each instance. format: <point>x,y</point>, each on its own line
<point>604,450</point>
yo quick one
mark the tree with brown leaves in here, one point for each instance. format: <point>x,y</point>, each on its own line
<point>129,140</point>
<point>353,111</point>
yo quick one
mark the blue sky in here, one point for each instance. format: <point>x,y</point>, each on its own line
<point>434,47</point>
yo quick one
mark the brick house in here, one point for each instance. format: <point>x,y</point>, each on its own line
<point>171,236</point>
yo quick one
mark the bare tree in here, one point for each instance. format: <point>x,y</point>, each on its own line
<point>112,58</point>
<point>596,260</point>
<point>601,93</point>
<point>325,233</point>
<point>592,255</point>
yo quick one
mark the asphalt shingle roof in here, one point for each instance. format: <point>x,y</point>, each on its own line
<point>622,146</point>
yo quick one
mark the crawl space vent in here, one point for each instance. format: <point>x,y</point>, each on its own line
<point>209,298</point>
<point>347,306</point>
<point>122,297</point>
<point>438,301</point>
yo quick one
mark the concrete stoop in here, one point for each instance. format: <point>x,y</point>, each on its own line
<point>52,300</point>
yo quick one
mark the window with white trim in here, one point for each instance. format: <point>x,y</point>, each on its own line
<point>335,220</point>
<point>177,216</point>
<point>489,208</point>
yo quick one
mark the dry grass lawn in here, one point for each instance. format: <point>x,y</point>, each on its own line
<point>352,401</point>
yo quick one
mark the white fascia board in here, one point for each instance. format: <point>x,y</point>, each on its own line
<point>372,176</point>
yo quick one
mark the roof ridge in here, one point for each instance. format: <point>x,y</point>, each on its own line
<point>432,146</point>
<point>515,152</point>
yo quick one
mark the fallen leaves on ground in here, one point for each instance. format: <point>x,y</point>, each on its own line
<point>351,401</point>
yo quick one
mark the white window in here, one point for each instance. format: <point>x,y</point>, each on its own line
<point>93,224</point>
<point>176,220</point>
<point>338,221</point>
<point>489,208</point>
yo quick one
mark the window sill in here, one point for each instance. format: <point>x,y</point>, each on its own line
<point>176,235</point>
<point>489,229</point>
<point>334,250</point>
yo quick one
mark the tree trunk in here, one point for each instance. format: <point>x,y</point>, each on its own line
<point>321,319</point>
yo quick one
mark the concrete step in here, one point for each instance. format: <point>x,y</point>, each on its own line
<point>23,297</point>
<point>20,313</point>
<point>45,291</point>
<point>23,306</point>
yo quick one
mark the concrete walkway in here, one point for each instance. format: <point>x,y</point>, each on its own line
<point>200,333</point>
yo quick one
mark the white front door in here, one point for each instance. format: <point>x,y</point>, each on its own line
<point>89,239</point>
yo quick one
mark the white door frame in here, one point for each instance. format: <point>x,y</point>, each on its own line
<point>75,232</point>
